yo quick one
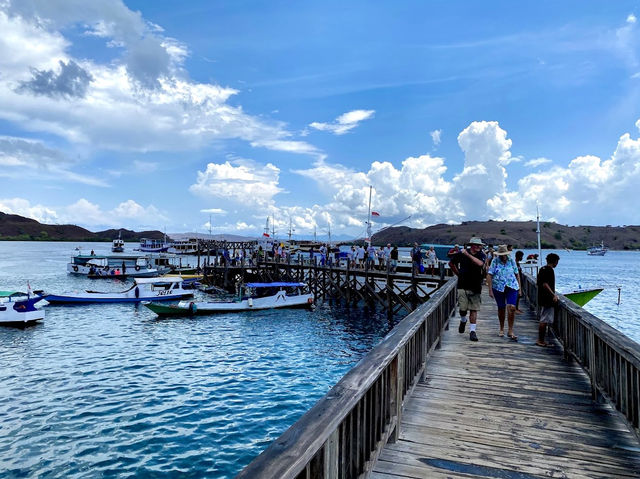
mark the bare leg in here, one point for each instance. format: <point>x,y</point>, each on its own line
<point>501,319</point>
<point>511,316</point>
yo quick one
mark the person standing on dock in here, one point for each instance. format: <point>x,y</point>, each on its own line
<point>468,267</point>
<point>394,258</point>
<point>503,281</point>
<point>547,297</point>
<point>416,258</point>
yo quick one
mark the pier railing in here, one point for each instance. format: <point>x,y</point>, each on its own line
<point>342,435</point>
<point>611,359</point>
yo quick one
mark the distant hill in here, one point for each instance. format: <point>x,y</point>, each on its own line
<point>19,228</point>
<point>520,234</point>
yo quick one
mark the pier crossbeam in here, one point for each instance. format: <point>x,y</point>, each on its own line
<point>393,291</point>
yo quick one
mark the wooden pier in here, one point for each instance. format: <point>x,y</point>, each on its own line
<point>392,291</point>
<point>428,403</point>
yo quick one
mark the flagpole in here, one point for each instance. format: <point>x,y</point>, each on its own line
<point>369,219</point>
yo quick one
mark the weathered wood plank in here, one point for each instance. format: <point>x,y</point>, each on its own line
<point>499,408</point>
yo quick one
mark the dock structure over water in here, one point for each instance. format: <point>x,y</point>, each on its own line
<point>392,291</point>
<point>428,403</point>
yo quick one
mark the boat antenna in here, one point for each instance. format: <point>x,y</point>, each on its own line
<point>368,239</point>
<point>315,238</point>
<point>273,227</point>
<point>538,234</point>
<point>329,234</point>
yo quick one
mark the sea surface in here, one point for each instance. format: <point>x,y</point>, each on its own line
<point>112,391</point>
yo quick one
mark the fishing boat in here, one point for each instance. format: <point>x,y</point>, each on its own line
<point>598,250</point>
<point>109,266</point>
<point>19,309</point>
<point>117,245</point>
<point>251,296</point>
<point>583,296</point>
<point>143,289</point>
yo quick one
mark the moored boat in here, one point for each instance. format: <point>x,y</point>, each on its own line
<point>110,266</point>
<point>188,246</point>
<point>143,289</point>
<point>251,296</point>
<point>18,309</point>
<point>149,245</point>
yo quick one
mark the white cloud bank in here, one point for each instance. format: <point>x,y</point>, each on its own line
<point>243,193</point>
<point>140,100</point>
<point>345,122</point>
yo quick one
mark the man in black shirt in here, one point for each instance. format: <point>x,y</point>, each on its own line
<point>468,266</point>
<point>547,297</point>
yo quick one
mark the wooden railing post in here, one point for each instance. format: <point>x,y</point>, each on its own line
<point>332,456</point>
<point>397,391</point>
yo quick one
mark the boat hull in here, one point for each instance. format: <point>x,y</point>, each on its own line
<point>69,299</point>
<point>251,304</point>
<point>20,313</point>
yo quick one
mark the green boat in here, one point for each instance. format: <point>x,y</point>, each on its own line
<point>583,296</point>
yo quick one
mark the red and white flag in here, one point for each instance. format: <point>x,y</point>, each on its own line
<point>375,213</point>
<point>266,235</point>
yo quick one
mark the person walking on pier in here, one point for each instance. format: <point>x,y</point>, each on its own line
<point>547,297</point>
<point>503,281</point>
<point>468,267</point>
<point>394,259</point>
<point>416,258</point>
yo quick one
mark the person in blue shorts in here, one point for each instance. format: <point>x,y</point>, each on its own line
<point>503,281</point>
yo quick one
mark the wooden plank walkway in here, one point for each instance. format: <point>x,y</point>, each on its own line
<point>504,409</point>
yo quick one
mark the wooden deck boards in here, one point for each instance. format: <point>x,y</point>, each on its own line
<point>508,410</point>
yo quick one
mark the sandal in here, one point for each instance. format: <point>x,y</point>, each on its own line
<point>501,334</point>
<point>513,337</point>
<point>542,345</point>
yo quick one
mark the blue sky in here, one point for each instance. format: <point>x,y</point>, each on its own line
<point>163,114</point>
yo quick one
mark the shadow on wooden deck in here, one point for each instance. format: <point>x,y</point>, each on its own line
<point>504,409</point>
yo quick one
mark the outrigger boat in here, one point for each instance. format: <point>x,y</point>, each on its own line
<point>583,296</point>
<point>143,289</point>
<point>250,296</point>
<point>18,309</point>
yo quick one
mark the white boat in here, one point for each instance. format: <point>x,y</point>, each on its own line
<point>117,245</point>
<point>598,250</point>
<point>148,245</point>
<point>110,266</point>
<point>18,309</point>
<point>143,289</point>
<point>188,246</point>
<point>251,296</point>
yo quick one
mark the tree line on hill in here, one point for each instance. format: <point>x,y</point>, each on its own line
<point>19,228</point>
<point>520,234</point>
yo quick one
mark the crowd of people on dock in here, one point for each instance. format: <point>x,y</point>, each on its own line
<point>474,265</point>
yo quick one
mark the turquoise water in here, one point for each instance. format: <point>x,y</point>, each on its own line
<point>111,391</point>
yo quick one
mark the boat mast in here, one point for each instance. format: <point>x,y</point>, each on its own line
<point>329,235</point>
<point>368,240</point>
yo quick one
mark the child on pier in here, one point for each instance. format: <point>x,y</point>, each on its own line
<point>547,297</point>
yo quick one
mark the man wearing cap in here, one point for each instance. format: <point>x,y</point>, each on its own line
<point>468,266</point>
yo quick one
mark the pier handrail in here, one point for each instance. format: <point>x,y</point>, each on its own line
<point>342,435</point>
<point>610,359</point>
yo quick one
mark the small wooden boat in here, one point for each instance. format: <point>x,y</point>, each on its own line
<point>117,245</point>
<point>18,309</point>
<point>143,289</point>
<point>251,296</point>
<point>583,296</point>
